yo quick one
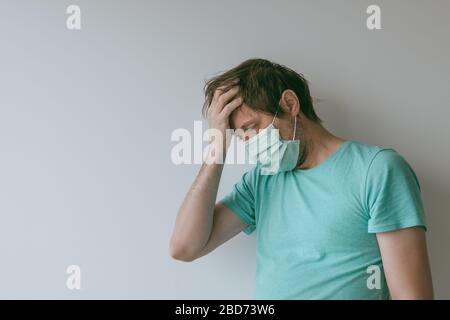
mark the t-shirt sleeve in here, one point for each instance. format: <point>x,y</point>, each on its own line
<point>241,200</point>
<point>393,195</point>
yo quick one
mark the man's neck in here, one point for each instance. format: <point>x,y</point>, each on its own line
<point>319,144</point>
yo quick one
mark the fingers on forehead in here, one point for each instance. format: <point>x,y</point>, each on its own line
<point>226,88</point>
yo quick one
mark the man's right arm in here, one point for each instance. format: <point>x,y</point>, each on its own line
<point>201,224</point>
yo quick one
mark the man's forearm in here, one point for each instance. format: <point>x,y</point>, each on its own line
<point>195,217</point>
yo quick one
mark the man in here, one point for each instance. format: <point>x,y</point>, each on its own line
<point>334,218</point>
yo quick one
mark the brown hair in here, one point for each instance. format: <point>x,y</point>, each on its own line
<point>261,83</point>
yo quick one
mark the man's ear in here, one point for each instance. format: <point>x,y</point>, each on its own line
<point>289,103</point>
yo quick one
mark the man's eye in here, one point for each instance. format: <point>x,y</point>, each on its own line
<point>245,132</point>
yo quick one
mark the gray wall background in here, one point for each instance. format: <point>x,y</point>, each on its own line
<point>86,118</point>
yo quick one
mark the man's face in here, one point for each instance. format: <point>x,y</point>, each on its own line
<point>247,122</point>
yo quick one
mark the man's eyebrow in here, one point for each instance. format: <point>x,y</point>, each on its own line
<point>243,125</point>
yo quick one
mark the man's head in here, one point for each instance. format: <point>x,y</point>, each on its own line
<point>265,87</point>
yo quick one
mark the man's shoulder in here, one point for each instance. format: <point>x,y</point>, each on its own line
<point>377,157</point>
<point>366,152</point>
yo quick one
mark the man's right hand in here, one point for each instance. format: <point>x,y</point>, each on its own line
<point>222,105</point>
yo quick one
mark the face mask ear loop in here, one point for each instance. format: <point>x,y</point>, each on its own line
<point>295,128</point>
<point>275,116</point>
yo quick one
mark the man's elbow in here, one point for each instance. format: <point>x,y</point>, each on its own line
<point>181,253</point>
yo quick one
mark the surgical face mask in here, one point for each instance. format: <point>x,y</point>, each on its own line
<point>270,152</point>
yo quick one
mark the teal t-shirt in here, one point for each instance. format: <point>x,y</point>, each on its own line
<point>316,228</point>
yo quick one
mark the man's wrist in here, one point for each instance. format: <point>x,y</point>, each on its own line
<point>216,153</point>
